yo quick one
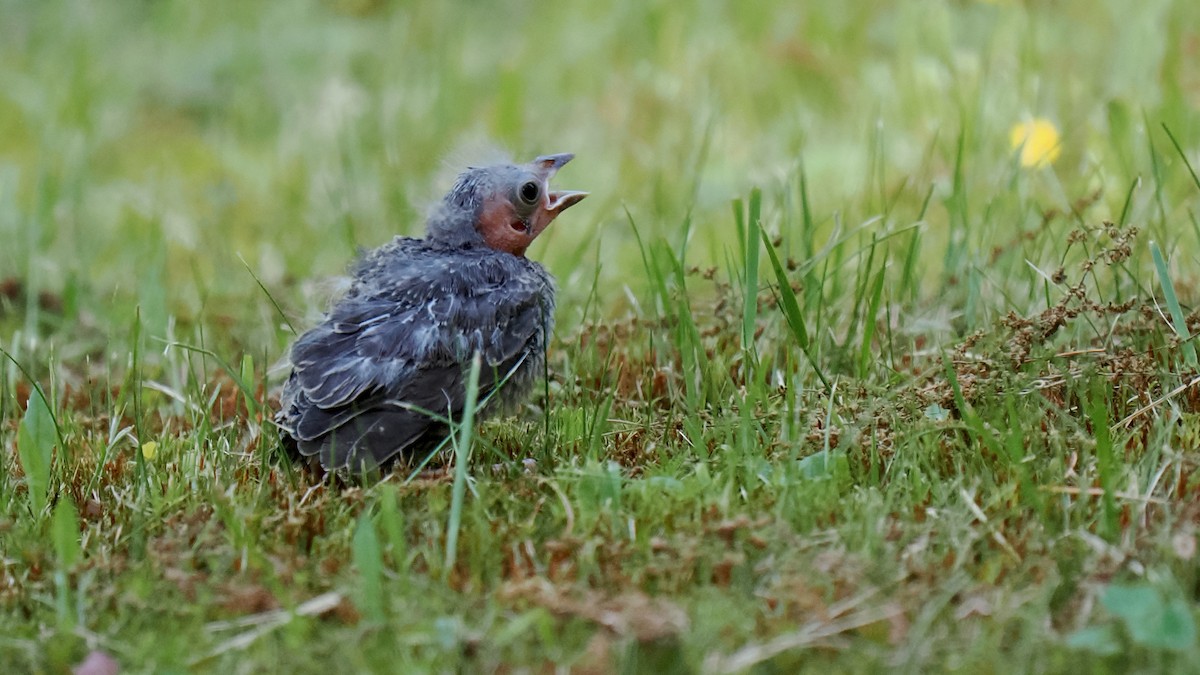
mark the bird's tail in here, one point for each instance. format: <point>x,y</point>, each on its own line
<point>372,440</point>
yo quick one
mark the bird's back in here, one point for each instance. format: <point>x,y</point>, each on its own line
<point>378,377</point>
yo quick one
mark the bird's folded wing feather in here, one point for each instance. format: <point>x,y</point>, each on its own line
<point>402,343</point>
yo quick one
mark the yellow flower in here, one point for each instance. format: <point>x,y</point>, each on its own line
<point>149,450</point>
<point>1038,142</point>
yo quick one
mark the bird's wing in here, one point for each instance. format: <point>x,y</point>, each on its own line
<point>395,348</point>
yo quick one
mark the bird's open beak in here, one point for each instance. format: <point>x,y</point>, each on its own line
<point>559,200</point>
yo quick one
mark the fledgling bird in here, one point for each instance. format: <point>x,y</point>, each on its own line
<point>393,354</point>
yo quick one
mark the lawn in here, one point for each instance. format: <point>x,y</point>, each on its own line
<point>873,351</point>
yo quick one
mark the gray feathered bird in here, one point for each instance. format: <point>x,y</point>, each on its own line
<point>394,351</point>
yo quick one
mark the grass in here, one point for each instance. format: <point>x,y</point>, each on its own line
<point>909,405</point>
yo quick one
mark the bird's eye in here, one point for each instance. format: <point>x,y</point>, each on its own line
<point>529,192</point>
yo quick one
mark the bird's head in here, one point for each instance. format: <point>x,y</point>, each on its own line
<point>505,206</point>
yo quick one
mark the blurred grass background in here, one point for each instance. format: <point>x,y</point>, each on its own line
<point>147,149</point>
<point>144,146</point>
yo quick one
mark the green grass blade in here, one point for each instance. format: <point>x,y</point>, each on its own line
<point>368,558</point>
<point>1133,185</point>
<point>1182,155</point>
<point>1195,223</point>
<point>1015,444</point>
<point>263,288</point>
<point>868,331</point>
<point>791,309</point>
<point>133,389</point>
<point>750,259</point>
<point>653,272</point>
<point>36,439</point>
<point>909,280</point>
<point>1156,170</point>
<point>809,226</point>
<point>956,204</point>
<point>234,374</point>
<point>787,297</point>
<point>391,522</point>
<point>64,532</point>
<point>462,456</point>
<point>1106,466</point>
<point>1179,323</point>
<point>739,226</point>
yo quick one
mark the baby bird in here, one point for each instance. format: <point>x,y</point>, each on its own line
<point>373,382</point>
